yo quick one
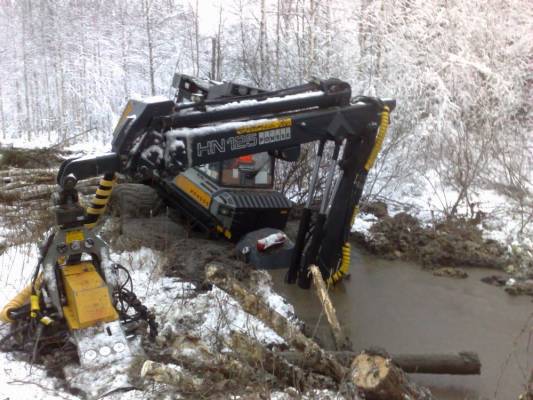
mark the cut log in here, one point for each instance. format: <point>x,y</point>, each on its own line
<point>379,379</point>
<point>463,363</point>
<point>341,343</point>
<point>318,360</point>
<point>23,172</point>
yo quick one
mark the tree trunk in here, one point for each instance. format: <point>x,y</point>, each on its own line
<point>213,57</point>
<point>148,26</point>
<point>196,40</point>
<point>25,72</point>
<point>259,357</point>
<point>2,117</point>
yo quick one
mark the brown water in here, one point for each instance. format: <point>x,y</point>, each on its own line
<point>399,307</point>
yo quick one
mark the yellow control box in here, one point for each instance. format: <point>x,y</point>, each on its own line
<point>88,298</point>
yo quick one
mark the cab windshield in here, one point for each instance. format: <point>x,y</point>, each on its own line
<point>253,170</point>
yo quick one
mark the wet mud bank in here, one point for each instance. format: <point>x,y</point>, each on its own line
<point>448,248</point>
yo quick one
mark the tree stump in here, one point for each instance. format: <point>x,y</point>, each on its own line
<point>379,379</point>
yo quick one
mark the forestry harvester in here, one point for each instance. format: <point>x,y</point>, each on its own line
<point>210,155</point>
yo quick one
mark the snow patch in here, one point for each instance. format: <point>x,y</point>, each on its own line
<point>270,100</point>
<point>362,224</point>
<point>19,380</point>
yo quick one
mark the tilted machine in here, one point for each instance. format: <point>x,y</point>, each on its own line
<point>210,154</point>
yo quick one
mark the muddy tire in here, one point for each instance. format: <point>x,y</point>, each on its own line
<point>132,200</point>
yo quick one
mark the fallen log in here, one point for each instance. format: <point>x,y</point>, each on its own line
<point>258,356</point>
<point>195,356</point>
<point>341,343</point>
<point>324,363</point>
<point>462,363</point>
<point>26,172</point>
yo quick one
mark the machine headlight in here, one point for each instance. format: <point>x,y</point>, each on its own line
<point>224,210</point>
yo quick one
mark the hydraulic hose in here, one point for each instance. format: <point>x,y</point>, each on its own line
<point>380,138</point>
<point>344,267</point>
<point>100,199</point>
<point>22,298</point>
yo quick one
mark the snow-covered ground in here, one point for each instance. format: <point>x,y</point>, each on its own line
<point>180,311</point>
<point>502,221</point>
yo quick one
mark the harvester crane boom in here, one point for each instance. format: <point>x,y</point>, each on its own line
<point>158,139</point>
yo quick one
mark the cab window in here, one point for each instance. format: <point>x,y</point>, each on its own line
<point>253,170</point>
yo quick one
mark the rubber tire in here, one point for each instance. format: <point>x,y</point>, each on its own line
<point>134,200</point>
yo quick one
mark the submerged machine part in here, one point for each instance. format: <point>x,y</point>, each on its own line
<point>210,155</point>
<point>204,195</point>
<point>277,256</point>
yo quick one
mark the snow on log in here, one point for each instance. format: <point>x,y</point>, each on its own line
<point>324,363</point>
<point>341,342</point>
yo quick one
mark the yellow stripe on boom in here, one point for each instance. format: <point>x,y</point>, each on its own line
<point>278,123</point>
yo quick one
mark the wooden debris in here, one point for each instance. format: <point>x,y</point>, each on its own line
<point>463,363</point>
<point>259,357</point>
<point>450,272</point>
<point>171,375</point>
<point>195,355</point>
<point>341,343</point>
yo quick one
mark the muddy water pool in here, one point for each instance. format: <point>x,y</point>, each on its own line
<point>398,306</point>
